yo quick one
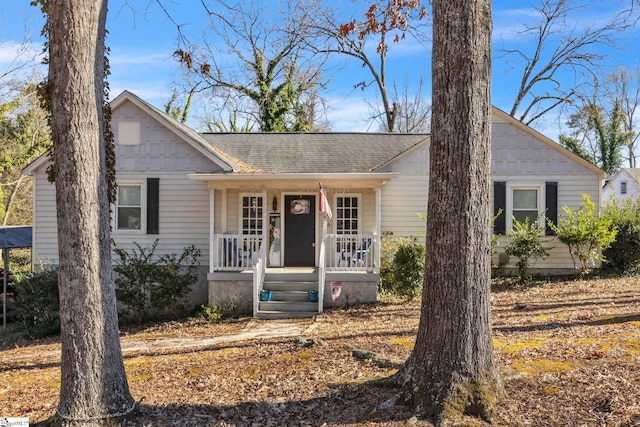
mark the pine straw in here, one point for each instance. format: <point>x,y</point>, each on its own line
<point>569,355</point>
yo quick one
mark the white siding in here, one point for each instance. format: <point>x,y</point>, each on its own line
<point>570,191</point>
<point>45,226</point>
<point>184,204</point>
<point>184,215</point>
<point>517,156</point>
<point>613,187</point>
<point>403,199</point>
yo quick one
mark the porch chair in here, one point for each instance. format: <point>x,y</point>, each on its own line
<point>357,257</point>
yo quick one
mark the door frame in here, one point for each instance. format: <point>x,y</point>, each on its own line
<point>284,222</point>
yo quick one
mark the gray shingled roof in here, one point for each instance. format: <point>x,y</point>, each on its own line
<point>314,152</point>
<point>15,237</point>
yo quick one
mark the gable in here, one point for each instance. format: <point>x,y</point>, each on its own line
<point>514,151</point>
<point>142,143</point>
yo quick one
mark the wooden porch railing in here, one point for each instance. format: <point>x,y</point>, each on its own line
<point>352,252</point>
<point>342,252</point>
<point>235,252</point>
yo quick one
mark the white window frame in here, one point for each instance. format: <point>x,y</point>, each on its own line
<point>129,133</point>
<point>623,187</point>
<point>143,208</point>
<point>335,209</point>
<point>241,230</point>
<point>540,186</point>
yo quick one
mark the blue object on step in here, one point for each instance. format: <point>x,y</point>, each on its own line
<point>313,296</point>
<point>265,295</point>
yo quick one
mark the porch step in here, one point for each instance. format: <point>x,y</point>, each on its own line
<point>273,315</point>
<point>288,306</point>
<point>292,296</point>
<point>289,286</point>
<point>289,299</point>
<point>286,309</point>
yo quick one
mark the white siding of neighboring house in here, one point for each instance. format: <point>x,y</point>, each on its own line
<point>184,204</point>
<point>613,187</point>
<point>517,156</point>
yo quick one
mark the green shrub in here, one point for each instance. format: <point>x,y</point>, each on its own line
<point>524,244</point>
<point>210,312</point>
<point>408,270</point>
<point>623,255</point>
<point>585,234</point>
<point>150,286</point>
<point>20,261</point>
<point>220,312</point>
<point>388,247</point>
<point>37,303</point>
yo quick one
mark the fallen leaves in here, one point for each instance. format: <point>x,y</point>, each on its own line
<point>569,354</point>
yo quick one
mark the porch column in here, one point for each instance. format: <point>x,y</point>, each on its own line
<point>265,221</point>
<point>378,245</point>
<point>223,211</point>
<point>212,205</point>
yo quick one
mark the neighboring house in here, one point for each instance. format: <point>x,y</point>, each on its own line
<point>623,185</point>
<point>249,202</point>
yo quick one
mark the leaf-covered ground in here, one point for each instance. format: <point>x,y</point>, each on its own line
<point>568,352</point>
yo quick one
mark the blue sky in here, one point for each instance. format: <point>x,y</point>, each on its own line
<point>142,42</point>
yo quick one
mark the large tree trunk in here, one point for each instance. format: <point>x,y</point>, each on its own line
<point>93,385</point>
<point>451,369</point>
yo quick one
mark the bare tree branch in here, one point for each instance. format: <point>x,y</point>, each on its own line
<point>564,52</point>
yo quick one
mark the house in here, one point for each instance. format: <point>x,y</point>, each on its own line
<point>623,185</point>
<point>249,202</point>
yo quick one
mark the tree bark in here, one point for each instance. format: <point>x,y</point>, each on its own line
<point>93,385</point>
<point>451,369</point>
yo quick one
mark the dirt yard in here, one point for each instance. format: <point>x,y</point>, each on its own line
<point>569,355</point>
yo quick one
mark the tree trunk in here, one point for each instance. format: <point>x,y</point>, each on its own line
<point>451,369</point>
<point>93,383</point>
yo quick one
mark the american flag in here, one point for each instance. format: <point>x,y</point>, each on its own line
<point>324,204</point>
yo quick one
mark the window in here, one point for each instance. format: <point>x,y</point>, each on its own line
<point>525,204</point>
<point>623,187</point>
<point>129,207</point>
<point>347,214</point>
<point>525,200</point>
<point>251,216</point>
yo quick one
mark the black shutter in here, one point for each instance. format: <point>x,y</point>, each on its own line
<point>500,204</point>
<point>153,205</point>
<point>551,205</point>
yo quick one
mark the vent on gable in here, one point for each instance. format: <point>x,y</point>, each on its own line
<point>128,133</point>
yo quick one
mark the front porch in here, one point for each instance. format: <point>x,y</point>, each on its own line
<point>263,227</point>
<point>347,273</point>
<point>290,291</point>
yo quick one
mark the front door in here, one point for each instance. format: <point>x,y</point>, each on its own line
<point>300,231</point>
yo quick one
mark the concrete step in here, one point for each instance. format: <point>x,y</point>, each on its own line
<point>297,296</point>
<point>272,315</point>
<point>290,286</point>
<point>288,306</point>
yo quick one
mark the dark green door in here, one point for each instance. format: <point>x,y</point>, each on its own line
<point>300,231</point>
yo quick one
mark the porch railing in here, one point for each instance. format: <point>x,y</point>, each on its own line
<point>235,252</point>
<point>342,252</point>
<point>352,252</point>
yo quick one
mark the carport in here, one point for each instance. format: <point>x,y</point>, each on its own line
<point>12,237</point>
